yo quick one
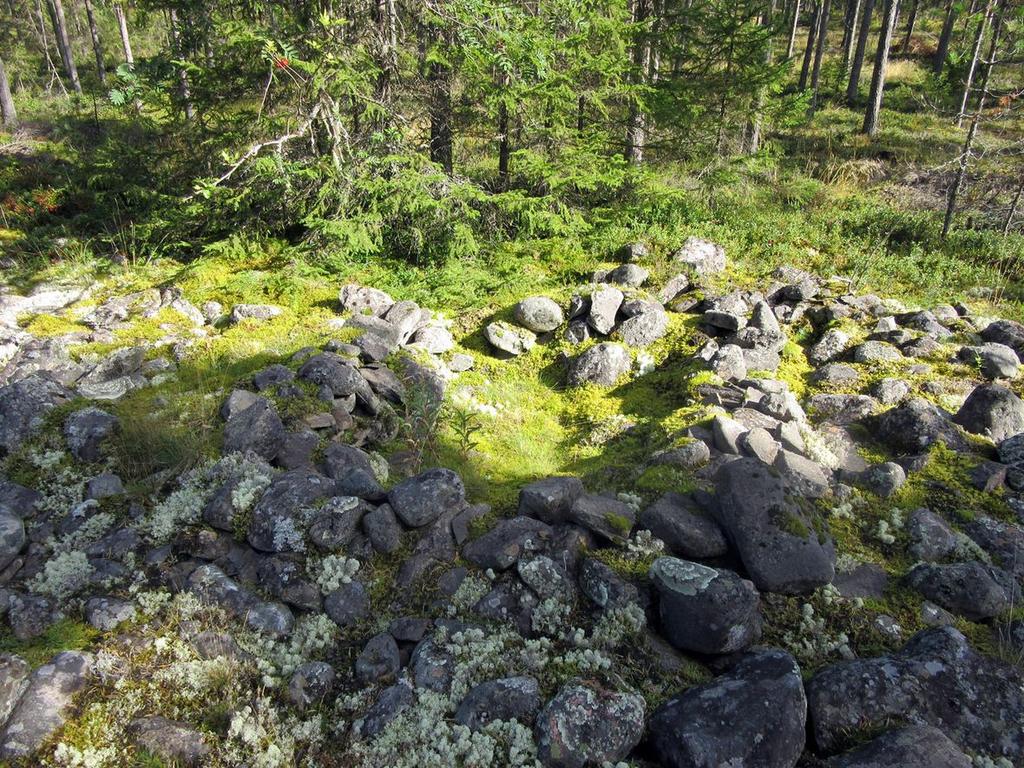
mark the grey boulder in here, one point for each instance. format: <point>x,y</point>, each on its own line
<point>936,679</point>
<point>916,746</point>
<point>539,314</point>
<point>603,364</point>
<point>992,410</point>
<point>588,726</point>
<point>707,610</point>
<point>783,543</point>
<point>753,716</point>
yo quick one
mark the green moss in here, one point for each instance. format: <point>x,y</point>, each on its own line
<point>45,325</point>
<point>626,565</point>
<point>794,369</point>
<point>618,523</point>
<point>664,479</point>
<point>65,635</point>
<point>794,525</point>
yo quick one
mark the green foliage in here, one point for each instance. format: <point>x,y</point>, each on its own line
<point>65,635</point>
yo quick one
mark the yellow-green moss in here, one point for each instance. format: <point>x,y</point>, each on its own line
<point>65,635</point>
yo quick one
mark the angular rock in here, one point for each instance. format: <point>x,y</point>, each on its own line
<point>550,499</point>
<point>882,479</point>
<point>783,545</point>
<point>12,537</point>
<point>753,716</point>
<point>707,610</point>
<point>259,312</point>
<point>86,432</point>
<point>608,518</point>
<point>363,300</point>
<point>14,678</point>
<point>277,523</point>
<point>311,683</point>
<point>258,429</point>
<point>45,704</point>
<point>916,746</point>
<point>937,679</point>
<point>889,391</point>
<point>347,605</point>
<point>930,536</point>
<point>379,660</point>
<point>169,740</point>
<point>841,409</point>
<point>804,476</point>
<point>350,467</point>
<point>729,363</point>
<point>212,585</point>
<point>604,306</point>
<point>643,329</point>
<point>1007,332</point>
<point>508,338</point>
<point>509,698</point>
<point>875,352</point>
<point>995,361</point>
<point>915,426</point>
<point>503,545</point>
<point>422,499</point>
<point>830,346</point>
<point>684,527</point>
<point>107,613</point>
<point>972,590</point>
<point>603,365</point>
<point>992,410</point>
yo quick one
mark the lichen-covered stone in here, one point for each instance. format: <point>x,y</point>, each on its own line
<point>936,679</point>
<point>584,726</point>
<point>703,609</point>
<point>753,716</point>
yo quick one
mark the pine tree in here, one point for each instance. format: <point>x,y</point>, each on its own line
<point>60,28</point>
<point>853,85</point>
<point>870,126</point>
<point>967,152</point>
<point>8,114</point>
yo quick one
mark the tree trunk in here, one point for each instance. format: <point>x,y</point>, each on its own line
<point>979,36</point>
<point>881,62</point>
<point>1012,213</point>
<point>7,112</point>
<point>504,146</point>
<point>757,117</point>
<point>853,86</point>
<point>911,22</point>
<point>812,34</point>
<point>947,33</point>
<point>636,129</point>
<point>819,52</point>
<point>39,28</point>
<point>850,32</point>
<point>60,27</point>
<point>792,29</point>
<point>972,132</point>
<point>440,83</point>
<point>387,33</point>
<point>122,25</point>
<point>184,92</point>
<point>97,48</point>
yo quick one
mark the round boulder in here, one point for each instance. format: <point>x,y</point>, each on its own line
<point>584,726</point>
<point>538,313</point>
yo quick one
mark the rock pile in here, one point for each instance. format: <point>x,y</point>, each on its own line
<point>580,628</point>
